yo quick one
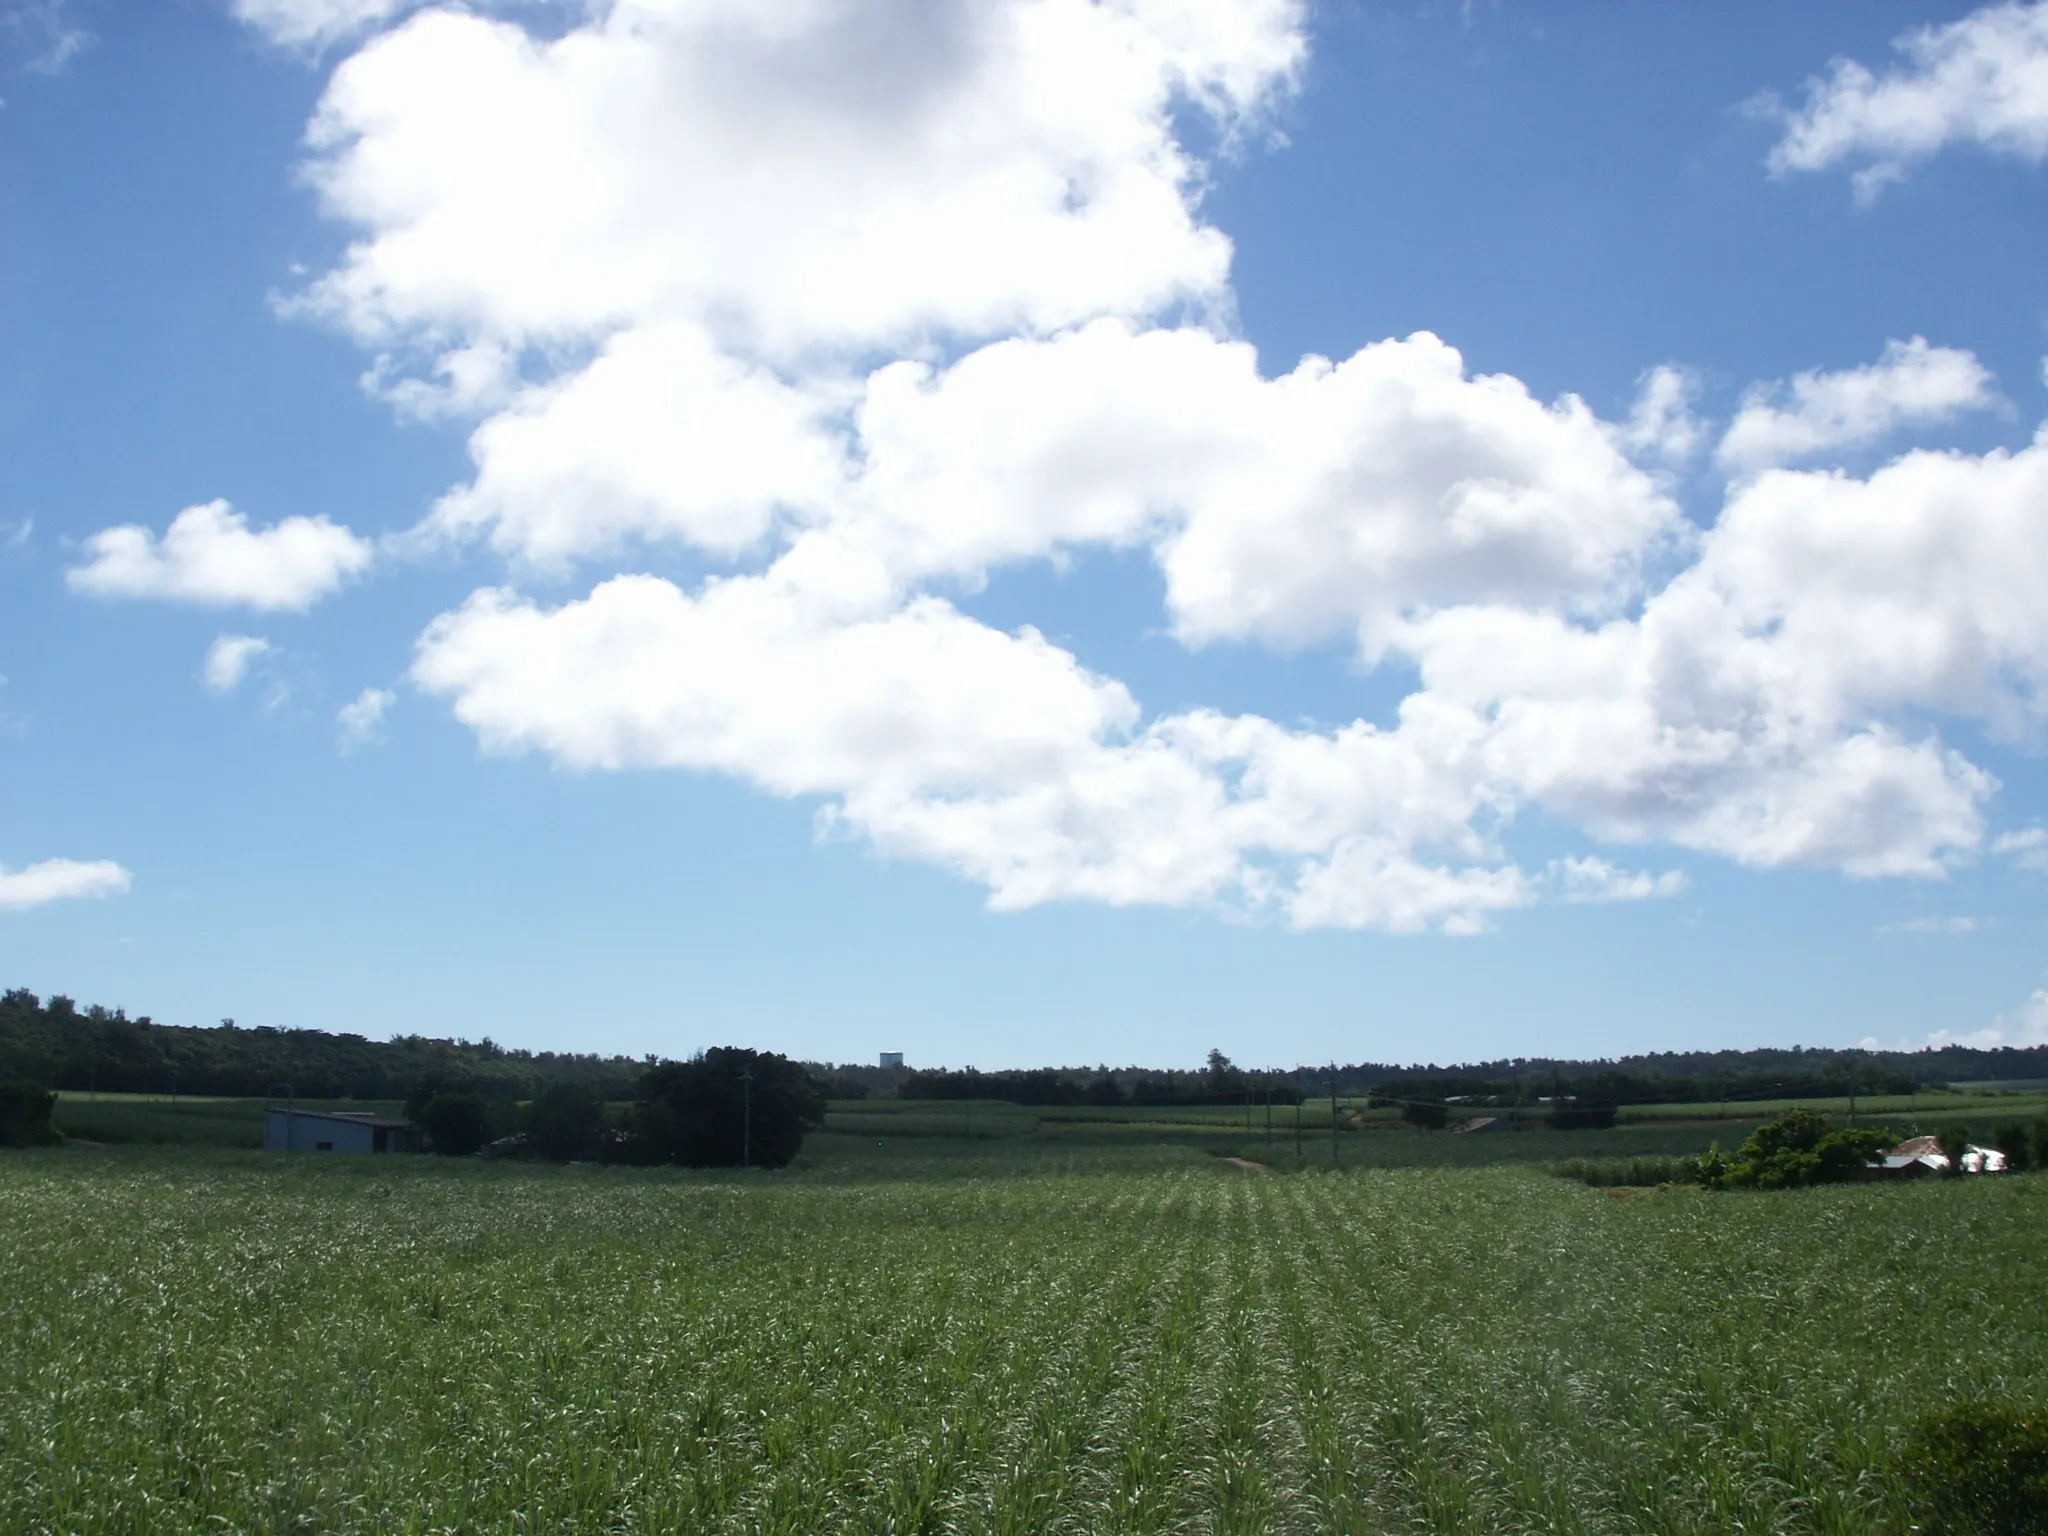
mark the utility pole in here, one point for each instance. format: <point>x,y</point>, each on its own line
<point>1333,1114</point>
<point>746,1117</point>
<point>1515,1078</point>
<point>1297,1129</point>
<point>1269,1114</point>
<point>1248,1092</point>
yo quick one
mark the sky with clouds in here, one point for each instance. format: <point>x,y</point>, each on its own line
<point>1028,530</point>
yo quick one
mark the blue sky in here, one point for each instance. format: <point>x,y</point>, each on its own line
<point>632,526</point>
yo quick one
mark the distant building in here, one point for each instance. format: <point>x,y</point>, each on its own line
<point>1923,1154</point>
<point>306,1130</point>
<point>892,1061</point>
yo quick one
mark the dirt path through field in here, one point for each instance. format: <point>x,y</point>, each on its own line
<point>1247,1165</point>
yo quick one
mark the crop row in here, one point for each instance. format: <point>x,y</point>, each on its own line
<point>193,1344</point>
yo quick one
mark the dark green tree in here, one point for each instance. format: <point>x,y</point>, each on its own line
<point>565,1123</point>
<point>456,1124</point>
<point>1222,1075</point>
<point>726,1106</point>
<point>1954,1142</point>
<point>2017,1145</point>
<point>25,1115</point>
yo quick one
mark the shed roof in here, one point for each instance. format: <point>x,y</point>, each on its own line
<point>358,1117</point>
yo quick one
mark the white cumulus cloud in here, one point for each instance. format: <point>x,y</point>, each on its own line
<point>857,304</point>
<point>1980,80</point>
<point>1913,384</point>
<point>790,173</point>
<point>228,658</point>
<point>60,880</point>
<point>210,556</point>
<point>362,718</point>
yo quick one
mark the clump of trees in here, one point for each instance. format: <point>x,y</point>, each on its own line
<point>455,1123</point>
<point>1798,1148</point>
<point>723,1108</point>
<point>25,1115</point>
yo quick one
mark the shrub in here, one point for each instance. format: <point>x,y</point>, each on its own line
<point>2017,1145</point>
<point>1979,1470</point>
<point>2041,1143</point>
<point>25,1115</point>
<point>1798,1148</point>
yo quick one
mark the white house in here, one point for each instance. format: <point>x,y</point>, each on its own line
<point>307,1130</point>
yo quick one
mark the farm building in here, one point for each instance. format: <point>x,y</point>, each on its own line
<point>306,1130</point>
<point>1480,1124</point>
<point>1923,1154</point>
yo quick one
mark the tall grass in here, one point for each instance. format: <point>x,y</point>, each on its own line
<point>1147,1341</point>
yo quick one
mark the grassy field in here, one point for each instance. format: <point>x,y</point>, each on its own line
<point>1024,1332</point>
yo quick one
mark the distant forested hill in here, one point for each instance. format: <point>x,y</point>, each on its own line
<point>62,1046</point>
<point>58,1044</point>
<point>1702,1076</point>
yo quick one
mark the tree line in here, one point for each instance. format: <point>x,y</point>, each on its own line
<point>1221,1081</point>
<point>60,1045</point>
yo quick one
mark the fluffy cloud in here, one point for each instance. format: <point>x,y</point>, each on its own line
<point>1320,503</point>
<point>941,738</point>
<point>209,555</point>
<point>659,436</point>
<point>792,174</point>
<point>228,658</point>
<point>862,303</point>
<point>1761,705</point>
<point>362,718</point>
<point>60,880</point>
<point>1911,385</point>
<point>1981,80</point>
